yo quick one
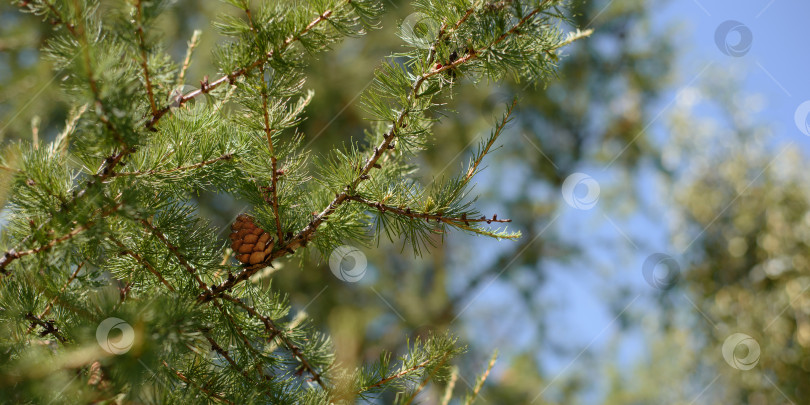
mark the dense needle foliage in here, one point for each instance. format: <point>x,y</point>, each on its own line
<point>100,222</point>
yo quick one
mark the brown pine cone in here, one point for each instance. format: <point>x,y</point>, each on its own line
<point>250,243</point>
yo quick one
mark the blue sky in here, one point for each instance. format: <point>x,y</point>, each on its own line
<point>578,294</point>
<point>776,66</point>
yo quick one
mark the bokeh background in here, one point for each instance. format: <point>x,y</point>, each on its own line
<point>659,182</point>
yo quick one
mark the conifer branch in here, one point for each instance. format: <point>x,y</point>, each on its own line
<point>47,326</point>
<point>438,217</point>
<point>225,355</point>
<point>144,58</point>
<point>187,380</point>
<point>476,53</point>
<point>56,19</point>
<point>404,372</point>
<point>12,254</point>
<point>427,379</point>
<point>103,173</point>
<point>480,383</point>
<point>488,145</point>
<point>273,332</point>
<point>80,35</point>
<point>175,251</point>
<point>48,307</point>
<point>143,262</point>
<point>307,233</point>
<point>448,390</point>
<point>274,357</point>
<point>273,160</point>
<point>226,156</point>
<point>192,44</point>
<point>207,87</point>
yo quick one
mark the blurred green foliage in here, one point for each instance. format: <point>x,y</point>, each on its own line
<point>743,209</point>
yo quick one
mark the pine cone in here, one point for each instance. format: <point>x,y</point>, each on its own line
<point>250,243</point>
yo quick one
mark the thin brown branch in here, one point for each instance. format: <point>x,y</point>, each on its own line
<point>47,326</point>
<point>480,383</point>
<point>175,251</point>
<point>476,53</point>
<point>192,43</point>
<point>102,174</point>
<point>207,87</point>
<point>187,380</point>
<point>143,262</point>
<point>80,35</point>
<point>498,129</point>
<point>53,300</point>
<point>56,19</point>
<point>438,217</point>
<point>403,373</point>
<point>273,191</point>
<point>224,353</point>
<point>273,161</point>
<point>275,332</point>
<point>144,57</point>
<point>12,254</point>
<point>226,156</point>
<point>427,379</point>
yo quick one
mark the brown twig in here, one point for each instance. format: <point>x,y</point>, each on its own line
<point>403,372</point>
<point>195,39</point>
<point>104,172</point>
<point>57,19</point>
<point>224,353</point>
<point>226,156</point>
<point>480,383</point>
<point>231,77</point>
<point>427,379</point>
<point>144,58</point>
<point>175,251</point>
<point>274,331</point>
<point>48,327</point>
<point>143,262</point>
<point>273,161</point>
<point>187,380</point>
<point>53,300</point>
<point>438,217</point>
<point>12,254</point>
